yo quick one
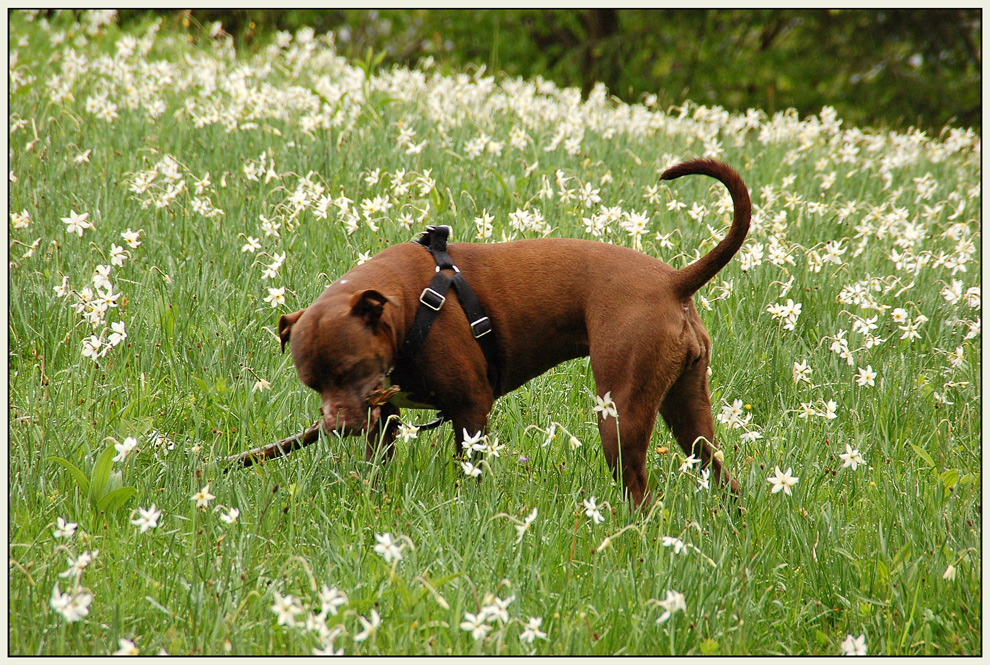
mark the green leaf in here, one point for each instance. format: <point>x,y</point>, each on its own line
<point>708,646</point>
<point>949,478</point>
<point>203,385</point>
<point>115,499</point>
<point>440,581</point>
<point>901,559</point>
<point>924,456</point>
<point>168,323</point>
<point>81,480</point>
<point>101,474</point>
<point>882,573</point>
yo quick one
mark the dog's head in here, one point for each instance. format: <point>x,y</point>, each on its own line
<point>342,347</point>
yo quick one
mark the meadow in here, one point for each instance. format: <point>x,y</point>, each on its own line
<point>170,197</point>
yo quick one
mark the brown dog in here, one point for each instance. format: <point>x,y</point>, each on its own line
<point>549,300</point>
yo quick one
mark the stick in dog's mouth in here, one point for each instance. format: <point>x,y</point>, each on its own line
<point>376,398</point>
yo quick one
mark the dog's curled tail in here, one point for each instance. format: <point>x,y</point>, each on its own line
<point>696,275</point>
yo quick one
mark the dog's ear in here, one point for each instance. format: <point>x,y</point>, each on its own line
<point>369,305</point>
<point>285,323</point>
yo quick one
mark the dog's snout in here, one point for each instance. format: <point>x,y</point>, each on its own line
<point>347,419</point>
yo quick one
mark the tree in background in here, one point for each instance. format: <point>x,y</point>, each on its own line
<point>876,67</point>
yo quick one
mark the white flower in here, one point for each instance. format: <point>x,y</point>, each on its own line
<point>951,293</point>
<point>261,385</point>
<point>475,624</point>
<point>77,566</point>
<point>203,497</point>
<point>853,646</point>
<point>276,296</point>
<point>956,358</point>
<point>73,607</point>
<point>472,443</point>
<point>522,528</point>
<point>118,333</point>
<point>131,237</point>
<point>950,573</point>
<point>591,510</point>
<point>731,413</point>
<point>470,469</point>
<point>127,648</point>
<point>676,543</point>
<point>64,529</point>
<point>252,245</point>
<point>368,628</point>
<point>286,608</point>
<point>483,224</point>
<point>689,463</point>
<point>605,406</point>
<point>387,548</point>
<point>148,518</point>
<point>62,289</point>
<point>830,407</point>
<point>782,480</point>
<point>230,517</point>
<point>496,609</point>
<point>331,599</point>
<point>788,313</point>
<point>123,449</point>
<point>703,481</point>
<point>91,347</point>
<point>492,447</point>
<point>271,271</point>
<point>746,437</point>
<point>76,223</point>
<point>866,376</point>
<point>671,604</point>
<point>117,254</point>
<point>21,220</point>
<point>851,458</point>
<point>974,297</point>
<point>407,432</point>
<point>532,631</point>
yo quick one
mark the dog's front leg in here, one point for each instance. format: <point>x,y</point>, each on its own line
<point>470,424</point>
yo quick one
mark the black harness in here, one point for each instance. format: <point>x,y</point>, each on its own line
<point>433,297</point>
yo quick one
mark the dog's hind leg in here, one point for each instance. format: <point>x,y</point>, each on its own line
<point>687,410</point>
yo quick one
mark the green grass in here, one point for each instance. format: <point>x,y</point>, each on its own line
<point>849,552</point>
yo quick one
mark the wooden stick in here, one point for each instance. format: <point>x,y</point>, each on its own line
<point>310,436</point>
<point>273,450</point>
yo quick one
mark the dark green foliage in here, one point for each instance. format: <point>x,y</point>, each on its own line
<point>894,68</point>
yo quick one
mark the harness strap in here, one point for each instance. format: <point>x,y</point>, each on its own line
<point>434,240</point>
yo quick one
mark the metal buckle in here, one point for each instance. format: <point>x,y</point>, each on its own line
<point>432,299</point>
<point>484,325</point>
